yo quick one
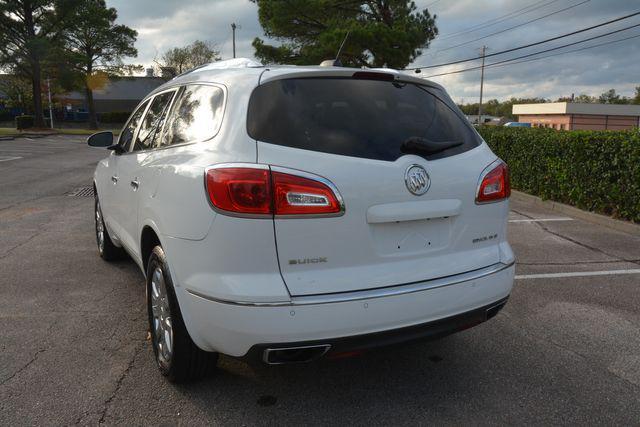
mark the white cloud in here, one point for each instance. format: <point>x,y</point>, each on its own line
<point>165,24</point>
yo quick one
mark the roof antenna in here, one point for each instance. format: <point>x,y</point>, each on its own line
<point>336,62</point>
<point>342,45</point>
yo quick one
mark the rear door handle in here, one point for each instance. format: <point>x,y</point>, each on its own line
<point>135,184</point>
<point>114,179</point>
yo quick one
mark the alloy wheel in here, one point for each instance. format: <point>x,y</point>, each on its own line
<point>161,312</point>
<point>99,228</point>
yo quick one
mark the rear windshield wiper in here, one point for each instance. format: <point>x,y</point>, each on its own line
<point>426,147</point>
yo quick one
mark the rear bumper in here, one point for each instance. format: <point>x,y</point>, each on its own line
<point>422,332</point>
<point>348,321</point>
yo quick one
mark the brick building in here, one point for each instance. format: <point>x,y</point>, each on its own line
<point>573,116</point>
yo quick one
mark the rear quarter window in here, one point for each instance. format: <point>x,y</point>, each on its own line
<point>196,115</point>
<point>353,117</point>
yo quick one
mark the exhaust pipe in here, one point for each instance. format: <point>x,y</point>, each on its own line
<point>280,356</point>
<point>492,311</point>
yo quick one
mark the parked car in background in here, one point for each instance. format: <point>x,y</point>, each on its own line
<point>517,125</point>
<point>287,213</point>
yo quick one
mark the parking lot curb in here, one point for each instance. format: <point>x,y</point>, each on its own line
<point>594,218</point>
<point>27,135</point>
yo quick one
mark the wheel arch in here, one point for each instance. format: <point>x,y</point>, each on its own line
<point>149,239</point>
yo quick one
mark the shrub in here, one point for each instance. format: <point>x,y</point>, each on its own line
<point>114,117</point>
<point>594,170</point>
<point>6,116</point>
<point>24,122</point>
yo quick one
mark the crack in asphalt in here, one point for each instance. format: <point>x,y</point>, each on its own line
<point>8,252</point>
<point>574,241</point>
<point>33,359</point>
<point>107,403</point>
<point>22,202</point>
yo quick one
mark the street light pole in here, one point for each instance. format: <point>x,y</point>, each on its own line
<point>233,30</point>
<point>50,107</point>
<point>484,49</point>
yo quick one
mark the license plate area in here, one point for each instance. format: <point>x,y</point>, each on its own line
<point>411,237</point>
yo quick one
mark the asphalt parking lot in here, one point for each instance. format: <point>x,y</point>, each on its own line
<point>565,350</point>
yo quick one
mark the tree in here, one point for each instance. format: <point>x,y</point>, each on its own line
<point>565,99</point>
<point>381,33</point>
<point>18,92</point>
<point>611,97</point>
<point>583,98</point>
<point>182,59</point>
<point>95,46</point>
<point>493,107</point>
<point>28,31</point>
<point>636,98</point>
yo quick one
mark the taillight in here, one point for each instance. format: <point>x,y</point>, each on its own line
<point>240,190</point>
<point>494,184</point>
<point>259,190</point>
<point>297,195</point>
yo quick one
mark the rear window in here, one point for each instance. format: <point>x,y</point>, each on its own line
<point>359,118</point>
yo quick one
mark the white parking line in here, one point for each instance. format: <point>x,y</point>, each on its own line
<point>576,274</point>
<point>541,219</point>
<point>8,158</point>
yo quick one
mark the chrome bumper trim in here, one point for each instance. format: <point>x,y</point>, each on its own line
<point>388,291</point>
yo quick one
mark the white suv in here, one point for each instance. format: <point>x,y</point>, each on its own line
<point>288,213</point>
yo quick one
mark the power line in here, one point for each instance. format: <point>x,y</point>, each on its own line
<point>536,53</point>
<point>530,44</point>
<point>431,4</point>
<point>565,52</point>
<point>494,21</point>
<point>515,26</point>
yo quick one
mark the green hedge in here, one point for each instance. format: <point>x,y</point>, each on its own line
<point>114,117</point>
<point>594,170</point>
<point>24,122</point>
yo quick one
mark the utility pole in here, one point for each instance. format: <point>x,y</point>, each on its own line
<point>233,30</point>
<point>50,108</point>
<point>484,49</point>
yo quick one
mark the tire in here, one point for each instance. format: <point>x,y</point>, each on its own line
<point>106,249</point>
<point>178,358</point>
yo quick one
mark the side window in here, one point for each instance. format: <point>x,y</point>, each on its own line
<point>196,115</point>
<point>126,136</point>
<point>152,121</point>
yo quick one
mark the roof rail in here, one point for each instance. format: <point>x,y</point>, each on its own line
<point>230,63</point>
<point>222,65</point>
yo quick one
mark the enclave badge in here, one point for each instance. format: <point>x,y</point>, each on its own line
<point>417,180</point>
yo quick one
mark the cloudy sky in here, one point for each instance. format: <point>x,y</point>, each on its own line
<point>162,24</point>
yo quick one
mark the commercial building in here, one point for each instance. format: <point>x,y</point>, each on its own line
<point>573,116</point>
<point>117,94</point>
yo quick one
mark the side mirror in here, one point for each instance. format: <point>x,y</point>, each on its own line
<point>101,139</point>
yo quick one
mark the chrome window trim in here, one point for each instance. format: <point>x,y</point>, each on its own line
<point>146,111</point>
<point>177,87</point>
<point>389,291</point>
<point>135,131</point>
<point>223,88</point>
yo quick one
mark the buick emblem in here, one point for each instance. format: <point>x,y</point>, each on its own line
<point>417,180</point>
